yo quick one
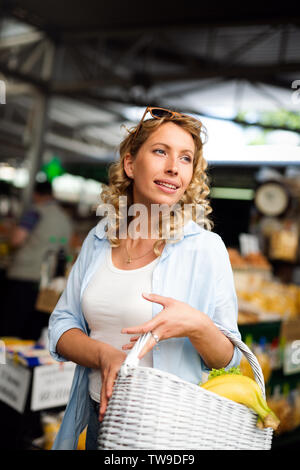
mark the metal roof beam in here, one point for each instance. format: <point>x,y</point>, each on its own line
<point>143,103</point>
<point>71,36</point>
<point>253,72</point>
<point>207,18</point>
<point>20,40</point>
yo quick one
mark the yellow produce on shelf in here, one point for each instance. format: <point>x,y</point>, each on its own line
<point>81,440</point>
<point>51,424</point>
<point>12,341</point>
<point>51,428</point>
<point>272,297</point>
<point>284,411</point>
<point>255,285</point>
<point>264,363</point>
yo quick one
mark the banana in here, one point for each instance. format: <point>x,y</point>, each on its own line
<point>227,378</point>
<point>245,391</point>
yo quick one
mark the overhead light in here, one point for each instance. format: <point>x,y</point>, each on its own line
<point>7,172</point>
<point>75,188</point>
<point>21,178</point>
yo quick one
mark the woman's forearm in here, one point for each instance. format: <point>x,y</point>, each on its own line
<point>77,347</point>
<point>213,346</point>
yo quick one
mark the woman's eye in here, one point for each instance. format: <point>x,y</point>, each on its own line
<point>163,152</point>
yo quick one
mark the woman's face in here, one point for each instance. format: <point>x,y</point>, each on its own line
<point>165,157</point>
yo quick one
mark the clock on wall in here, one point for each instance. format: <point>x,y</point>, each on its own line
<point>272,198</point>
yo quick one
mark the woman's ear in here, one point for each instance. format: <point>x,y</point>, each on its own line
<point>128,165</point>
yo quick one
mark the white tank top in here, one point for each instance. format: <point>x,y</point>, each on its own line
<point>113,300</point>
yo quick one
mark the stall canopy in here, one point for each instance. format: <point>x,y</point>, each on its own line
<point>75,71</point>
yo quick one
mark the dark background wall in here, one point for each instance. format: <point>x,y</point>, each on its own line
<point>230,217</point>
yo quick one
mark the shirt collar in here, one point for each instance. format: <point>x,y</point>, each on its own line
<point>190,228</point>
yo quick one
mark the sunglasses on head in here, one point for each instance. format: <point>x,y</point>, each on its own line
<point>157,113</point>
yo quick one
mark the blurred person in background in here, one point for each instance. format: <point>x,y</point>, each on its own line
<point>29,243</point>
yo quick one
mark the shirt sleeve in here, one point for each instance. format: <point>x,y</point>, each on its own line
<point>226,304</point>
<point>67,313</point>
<point>29,219</point>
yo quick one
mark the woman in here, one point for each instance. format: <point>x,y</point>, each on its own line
<point>185,269</point>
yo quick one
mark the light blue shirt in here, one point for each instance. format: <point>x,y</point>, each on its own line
<point>195,270</point>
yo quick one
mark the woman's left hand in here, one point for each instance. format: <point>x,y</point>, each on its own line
<point>176,319</point>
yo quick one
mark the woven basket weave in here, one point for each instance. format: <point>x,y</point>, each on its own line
<point>153,409</point>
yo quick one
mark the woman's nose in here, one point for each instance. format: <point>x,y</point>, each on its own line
<point>171,167</point>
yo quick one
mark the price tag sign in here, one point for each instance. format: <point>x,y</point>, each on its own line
<point>290,334</point>
<point>51,385</point>
<point>291,358</point>
<point>14,385</point>
<point>248,244</point>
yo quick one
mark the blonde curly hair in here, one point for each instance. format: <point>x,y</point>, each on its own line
<point>119,184</point>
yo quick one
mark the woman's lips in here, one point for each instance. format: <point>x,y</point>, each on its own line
<point>165,189</point>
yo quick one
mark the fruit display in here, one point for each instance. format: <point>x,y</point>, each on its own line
<point>237,261</point>
<point>257,260</point>
<point>264,362</point>
<point>27,352</point>
<point>270,297</point>
<point>235,386</point>
<point>260,296</point>
<point>51,423</point>
<point>285,412</point>
<point>284,244</point>
<point>249,261</point>
<point>268,342</point>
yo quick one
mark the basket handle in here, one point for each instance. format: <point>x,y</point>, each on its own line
<point>132,357</point>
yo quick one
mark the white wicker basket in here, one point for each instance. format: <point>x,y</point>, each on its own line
<point>152,409</point>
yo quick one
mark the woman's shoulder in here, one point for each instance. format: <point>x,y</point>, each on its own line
<point>202,240</point>
<point>202,233</point>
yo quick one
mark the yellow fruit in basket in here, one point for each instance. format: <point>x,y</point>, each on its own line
<point>245,391</point>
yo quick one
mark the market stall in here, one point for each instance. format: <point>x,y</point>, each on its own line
<point>266,273</point>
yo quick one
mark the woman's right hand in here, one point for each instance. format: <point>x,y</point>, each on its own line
<point>110,364</point>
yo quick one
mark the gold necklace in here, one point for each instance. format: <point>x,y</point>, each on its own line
<point>129,258</point>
